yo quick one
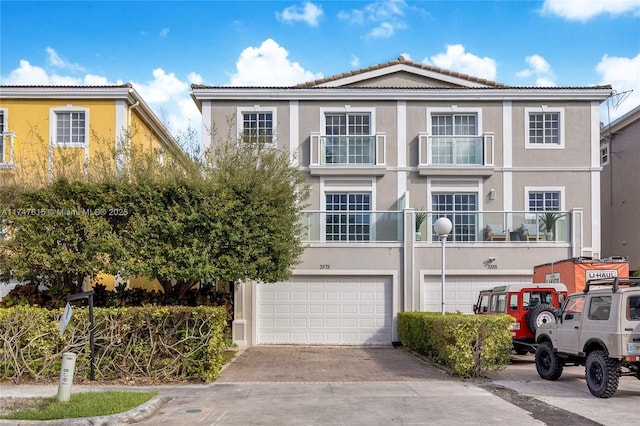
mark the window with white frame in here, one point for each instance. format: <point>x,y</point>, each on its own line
<point>453,206</point>
<point>257,124</point>
<point>454,138</point>
<point>69,126</point>
<point>348,216</point>
<point>544,127</point>
<point>348,138</point>
<point>604,154</point>
<point>544,201</point>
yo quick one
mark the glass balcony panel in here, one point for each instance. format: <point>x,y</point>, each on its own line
<point>456,150</point>
<point>348,150</point>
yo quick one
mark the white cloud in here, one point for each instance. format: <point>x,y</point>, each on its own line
<point>27,74</point>
<point>355,61</point>
<point>406,56</point>
<point>194,78</point>
<point>308,12</point>
<point>57,61</point>
<point>268,65</point>
<point>163,88</point>
<point>584,10</point>
<point>383,16</point>
<point>540,69</point>
<point>456,59</point>
<point>624,75</point>
<point>164,32</point>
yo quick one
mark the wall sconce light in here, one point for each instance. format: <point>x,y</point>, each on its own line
<point>492,194</point>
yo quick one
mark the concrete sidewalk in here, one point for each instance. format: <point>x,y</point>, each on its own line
<point>293,385</point>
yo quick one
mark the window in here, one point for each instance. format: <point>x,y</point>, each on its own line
<point>465,225</point>
<point>454,139</point>
<point>484,303</point>
<point>498,302</point>
<point>544,127</point>
<point>604,155</point>
<point>544,201</point>
<point>69,126</point>
<point>257,124</point>
<point>513,302</point>
<point>347,219</point>
<point>600,308</point>
<point>573,309</point>
<point>633,308</point>
<point>349,138</point>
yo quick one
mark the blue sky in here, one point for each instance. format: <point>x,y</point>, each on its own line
<point>162,47</point>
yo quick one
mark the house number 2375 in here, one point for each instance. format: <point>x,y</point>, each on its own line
<point>325,266</point>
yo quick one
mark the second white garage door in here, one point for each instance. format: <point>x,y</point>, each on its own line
<point>325,310</point>
<point>461,292</point>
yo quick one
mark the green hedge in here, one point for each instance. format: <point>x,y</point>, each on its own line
<point>156,343</point>
<point>469,345</point>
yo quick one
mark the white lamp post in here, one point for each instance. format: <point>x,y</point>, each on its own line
<point>443,227</point>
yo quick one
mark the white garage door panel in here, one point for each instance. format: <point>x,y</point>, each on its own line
<point>461,292</point>
<point>325,310</point>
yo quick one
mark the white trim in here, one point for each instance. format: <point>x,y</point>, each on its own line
<point>380,72</point>
<point>507,156</point>
<point>595,135</point>
<point>294,132</point>
<point>348,109</point>
<point>605,146</point>
<point>401,144</point>
<point>240,110</point>
<point>206,138</point>
<point>561,123</point>
<point>122,126</point>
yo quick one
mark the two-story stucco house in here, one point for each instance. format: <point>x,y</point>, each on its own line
<point>46,129</point>
<point>620,154</point>
<point>77,131</point>
<point>386,145</point>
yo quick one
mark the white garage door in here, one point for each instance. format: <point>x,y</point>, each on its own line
<point>325,310</point>
<point>461,292</point>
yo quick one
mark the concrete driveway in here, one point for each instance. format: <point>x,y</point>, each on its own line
<point>296,385</point>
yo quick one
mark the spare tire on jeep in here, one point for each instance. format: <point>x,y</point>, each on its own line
<point>540,314</point>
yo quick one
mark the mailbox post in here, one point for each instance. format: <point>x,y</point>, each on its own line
<point>80,296</point>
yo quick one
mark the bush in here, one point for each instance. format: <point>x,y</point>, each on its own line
<point>470,345</point>
<point>154,343</point>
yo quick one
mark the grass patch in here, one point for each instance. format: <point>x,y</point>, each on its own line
<point>82,404</point>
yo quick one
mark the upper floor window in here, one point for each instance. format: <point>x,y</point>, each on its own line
<point>69,126</point>
<point>349,138</point>
<point>544,201</point>
<point>544,127</point>
<point>455,139</point>
<point>454,206</point>
<point>257,124</point>
<point>604,155</point>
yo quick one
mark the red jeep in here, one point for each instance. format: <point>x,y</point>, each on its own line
<point>529,304</point>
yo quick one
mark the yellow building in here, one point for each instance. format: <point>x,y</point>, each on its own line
<point>52,130</point>
<point>87,131</point>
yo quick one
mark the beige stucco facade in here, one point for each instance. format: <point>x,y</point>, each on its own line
<point>402,100</point>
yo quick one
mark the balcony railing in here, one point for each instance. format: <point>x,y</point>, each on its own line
<point>455,150</point>
<point>468,227</point>
<point>347,150</point>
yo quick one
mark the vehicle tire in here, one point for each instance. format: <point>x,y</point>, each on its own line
<point>540,314</point>
<point>548,363</point>
<point>602,374</point>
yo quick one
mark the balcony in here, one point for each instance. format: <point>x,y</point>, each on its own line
<point>6,150</point>
<point>339,227</point>
<point>347,155</point>
<point>456,155</point>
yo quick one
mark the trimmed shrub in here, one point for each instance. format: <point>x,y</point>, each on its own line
<point>469,345</point>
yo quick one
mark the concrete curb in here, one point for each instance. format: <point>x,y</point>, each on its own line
<point>134,415</point>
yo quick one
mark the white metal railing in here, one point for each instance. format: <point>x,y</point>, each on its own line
<point>456,150</point>
<point>6,148</point>
<point>347,150</point>
<point>468,226</point>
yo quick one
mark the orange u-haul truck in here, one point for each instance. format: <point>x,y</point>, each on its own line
<point>575,272</point>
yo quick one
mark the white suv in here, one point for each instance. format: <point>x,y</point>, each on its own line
<point>598,328</point>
